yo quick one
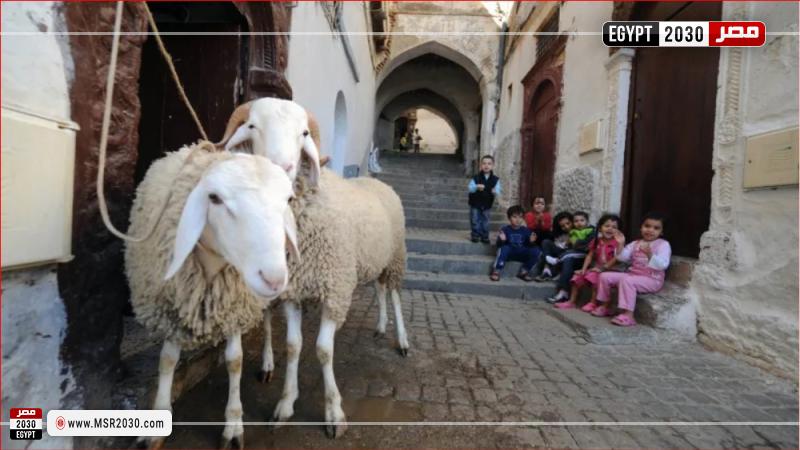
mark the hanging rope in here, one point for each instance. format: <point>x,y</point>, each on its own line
<point>101,165</point>
<point>172,70</point>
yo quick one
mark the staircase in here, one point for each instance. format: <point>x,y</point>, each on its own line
<point>441,257</point>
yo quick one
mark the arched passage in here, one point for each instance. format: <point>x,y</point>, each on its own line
<point>422,98</point>
<point>433,74</point>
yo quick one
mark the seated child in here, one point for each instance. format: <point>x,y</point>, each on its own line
<point>562,224</point>
<point>649,259</point>
<point>539,220</point>
<point>601,257</point>
<point>515,242</point>
<point>579,237</point>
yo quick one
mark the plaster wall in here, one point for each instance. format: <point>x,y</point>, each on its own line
<point>584,100</point>
<point>318,70</point>
<point>437,135</point>
<point>38,80</point>
<point>33,312</point>
<point>746,282</point>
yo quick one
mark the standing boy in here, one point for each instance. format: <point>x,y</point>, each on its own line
<point>483,187</point>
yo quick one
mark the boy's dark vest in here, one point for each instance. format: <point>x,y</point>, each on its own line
<point>483,199</point>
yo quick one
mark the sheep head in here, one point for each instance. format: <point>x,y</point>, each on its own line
<point>239,214</point>
<point>281,130</point>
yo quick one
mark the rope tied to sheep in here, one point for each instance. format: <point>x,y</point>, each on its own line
<point>205,144</point>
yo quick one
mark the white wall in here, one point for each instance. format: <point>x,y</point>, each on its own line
<point>35,79</point>
<point>318,70</point>
<point>746,283</point>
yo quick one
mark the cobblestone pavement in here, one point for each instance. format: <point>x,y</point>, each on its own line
<point>495,359</point>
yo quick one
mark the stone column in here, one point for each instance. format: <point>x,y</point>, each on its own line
<point>619,67</point>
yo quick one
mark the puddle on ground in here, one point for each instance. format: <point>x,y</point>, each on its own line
<point>381,410</point>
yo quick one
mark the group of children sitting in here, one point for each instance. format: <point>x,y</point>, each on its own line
<point>568,249</point>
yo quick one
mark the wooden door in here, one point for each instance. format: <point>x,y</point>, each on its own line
<point>210,68</point>
<point>539,144</point>
<point>670,141</point>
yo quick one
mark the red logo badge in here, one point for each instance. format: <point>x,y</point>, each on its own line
<point>736,34</point>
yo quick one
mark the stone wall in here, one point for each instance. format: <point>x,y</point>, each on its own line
<point>746,280</point>
<point>33,315</point>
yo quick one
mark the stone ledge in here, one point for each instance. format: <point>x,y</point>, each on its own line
<point>669,309</point>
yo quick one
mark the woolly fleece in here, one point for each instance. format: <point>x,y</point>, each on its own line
<point>350,232</point>
<point>186,309</point>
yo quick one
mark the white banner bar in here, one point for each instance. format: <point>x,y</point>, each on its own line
<point>25,424</point>
<point>109,423</point>
<point>683,34</point>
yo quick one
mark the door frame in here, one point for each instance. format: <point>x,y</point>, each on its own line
<point>544,71</point>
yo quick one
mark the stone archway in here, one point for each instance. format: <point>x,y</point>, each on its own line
<point>431,75</point>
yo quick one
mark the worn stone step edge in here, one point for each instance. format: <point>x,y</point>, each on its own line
<point>508,287</point>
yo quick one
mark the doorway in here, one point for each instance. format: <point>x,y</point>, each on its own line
<point>210,68</point>
<point>671,131</point>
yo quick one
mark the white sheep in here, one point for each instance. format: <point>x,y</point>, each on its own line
<point>222,243</point>
<point>351,232</point>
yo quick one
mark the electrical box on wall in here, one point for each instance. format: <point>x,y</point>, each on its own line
<point>771,159</point>
<point>591,137</point>
<point>38,163</point>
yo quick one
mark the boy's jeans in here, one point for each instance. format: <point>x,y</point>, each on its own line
<point>479,221</point>
<point>526,255</point>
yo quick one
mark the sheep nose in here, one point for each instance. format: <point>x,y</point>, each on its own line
<point>275,283</point>
<point>288,167</point>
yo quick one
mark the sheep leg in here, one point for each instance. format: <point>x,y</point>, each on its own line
<point>170,354</point>
<point>267,363</point>
<point>233,434</point>
<point>334,415</point>
<point>380,290</point>
<point>294,343</point>
<point>399,324</point>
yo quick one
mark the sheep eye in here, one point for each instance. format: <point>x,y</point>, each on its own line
<point>215,199</point>
<point>251,126</point>
<point>305,133</point>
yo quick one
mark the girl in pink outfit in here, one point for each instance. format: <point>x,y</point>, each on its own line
<point>649,259</point>
<point>601,257</point>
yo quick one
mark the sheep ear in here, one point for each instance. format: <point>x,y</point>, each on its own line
<point>242,135</point>
<point>311,148</point>
<point>190,227</point>
<point>238,117</point>
<point>291,233</point>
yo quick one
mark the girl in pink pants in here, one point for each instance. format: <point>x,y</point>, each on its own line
<point>649,259</point>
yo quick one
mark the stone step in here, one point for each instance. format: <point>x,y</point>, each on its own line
<point>508,286</point>
<point>478,265</point>
<point>671,308</point>
<point>453,224</point>
<point>445,242</point>
<point>444,213</point>
<point>429,183</point>
<point>599,330</point>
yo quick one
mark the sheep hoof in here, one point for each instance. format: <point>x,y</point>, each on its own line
<point>264,376</point>
<point>403,352</point>
<point>378,334</point>
<point>236,442</point>
<point>334,431</point>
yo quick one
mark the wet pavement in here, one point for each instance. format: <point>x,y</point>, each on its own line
<point>499,360</point>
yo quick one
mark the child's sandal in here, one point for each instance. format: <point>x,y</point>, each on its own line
<point>602,311</point>
<point>494,276</point>
<point>623,320</point>
<point>589,307</point>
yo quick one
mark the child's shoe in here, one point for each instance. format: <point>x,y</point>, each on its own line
<point>565,305</point>
<point>561,296</point>
<point>602,311</point>
<point>589,307</point>
<point>485,240</point>
<point>494,276</point>
<point>551,260</point>
<point>474,239</point>
<point>544,276</point>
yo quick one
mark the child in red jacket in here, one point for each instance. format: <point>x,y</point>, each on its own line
<point>539,220</point>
